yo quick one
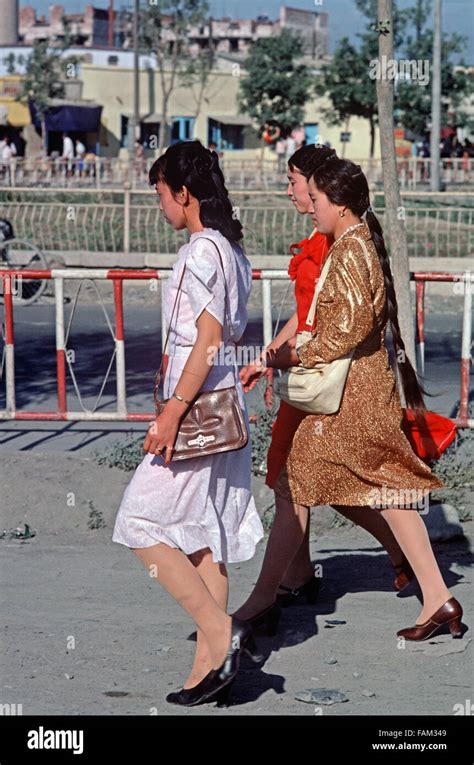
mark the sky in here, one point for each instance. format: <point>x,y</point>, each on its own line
<point>344,18</point>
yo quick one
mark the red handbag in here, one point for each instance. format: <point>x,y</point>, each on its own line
<point>428,433</point>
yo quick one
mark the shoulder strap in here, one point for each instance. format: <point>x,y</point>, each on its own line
<point>322,277</point>
<point>226,306</point>
<point>158,374</point>
<point>226,303</point>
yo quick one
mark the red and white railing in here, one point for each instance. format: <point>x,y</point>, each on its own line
<point>266,276</point>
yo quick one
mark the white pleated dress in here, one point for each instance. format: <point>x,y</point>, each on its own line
<point>203,502</point>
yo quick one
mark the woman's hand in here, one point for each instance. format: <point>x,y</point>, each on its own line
<point>162,436</point>
<point>250,375</point>
<point>284,357</point>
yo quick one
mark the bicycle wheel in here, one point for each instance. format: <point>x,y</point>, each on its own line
<point>26,291</point>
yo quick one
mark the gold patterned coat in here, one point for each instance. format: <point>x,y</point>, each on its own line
<point>360,453</point>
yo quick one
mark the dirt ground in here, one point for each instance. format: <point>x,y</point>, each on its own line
<point>86,631</point>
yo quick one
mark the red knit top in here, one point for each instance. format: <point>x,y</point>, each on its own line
<point>304,268</point>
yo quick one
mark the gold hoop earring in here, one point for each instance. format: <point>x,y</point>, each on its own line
<point>342,213</point>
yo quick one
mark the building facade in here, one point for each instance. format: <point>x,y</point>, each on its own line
<point>216,120</point>
<point>95,27</point>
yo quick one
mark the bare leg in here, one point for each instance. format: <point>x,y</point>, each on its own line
<point>285,538</point>
<point>300,569</point>
<point>412,535</point>
<point>214,576</point>
<point>372,520</point>
<point>178,576</point>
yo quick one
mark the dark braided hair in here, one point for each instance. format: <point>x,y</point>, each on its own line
<point>190,164</point>
<point>344,183</point>
<point>307,158</point>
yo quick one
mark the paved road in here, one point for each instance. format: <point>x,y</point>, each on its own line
<point>93,346</point>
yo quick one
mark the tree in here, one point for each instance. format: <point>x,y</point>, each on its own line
<point>346,84</point>
<point>397,236</point>
<point>275,88</point>
<point>413,98</point>
<point>164,31</point>
<point>10,63</point>
<point>195,77</point>
<point>351,92</point>
<point>345,81</point>
<point>42,81</point>
<point>46,68</point>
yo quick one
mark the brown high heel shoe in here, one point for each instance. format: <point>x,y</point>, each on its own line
<point>450,613</point>
<point>404,575</point>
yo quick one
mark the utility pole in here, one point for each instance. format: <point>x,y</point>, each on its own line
<point>211,44</point>
<point>110,37</point>
<point>436,100</point>
<point>418,20</point>
<point>134,121</point>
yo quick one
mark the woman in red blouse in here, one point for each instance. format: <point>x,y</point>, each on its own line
<point>304,268</point>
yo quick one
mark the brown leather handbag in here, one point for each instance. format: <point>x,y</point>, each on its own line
<point>215,422</point>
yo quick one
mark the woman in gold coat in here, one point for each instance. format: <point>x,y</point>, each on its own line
<point>359,456</point>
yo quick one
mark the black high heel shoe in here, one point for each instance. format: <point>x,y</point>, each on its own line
<point>241,641</point>
<point>269,617</point>
<point>222,697</point>
<point>309,590</point>
<point>191,697</point>
<point>217,680</point>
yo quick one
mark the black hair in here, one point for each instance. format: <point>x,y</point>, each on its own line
<point>344,183</point>
<point>190,164</point>
<point>307,158</point>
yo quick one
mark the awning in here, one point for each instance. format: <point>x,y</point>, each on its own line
<point>231,119</point>
<point>145,118</point>
<point>65,116</point>
<point>18,114</point>
<point>14,113</point>
<point>152,118</point>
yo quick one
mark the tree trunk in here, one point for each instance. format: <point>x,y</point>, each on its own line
<point>165,94</point>
<point>372,136</point>
<point>44,136</point>
<point>346,129</point>
<point>435,184</point>
<point>163,131</point>
<point>395,225</point>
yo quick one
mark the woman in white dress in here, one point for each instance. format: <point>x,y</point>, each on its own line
<point>186,519</point>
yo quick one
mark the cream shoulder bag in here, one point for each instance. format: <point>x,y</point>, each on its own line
<point>319,389</point>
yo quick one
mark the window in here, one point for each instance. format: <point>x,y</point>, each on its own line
<point>123,130</point>
<point>225,136</point>
<point>182,129</point>
<point>311,132</point>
